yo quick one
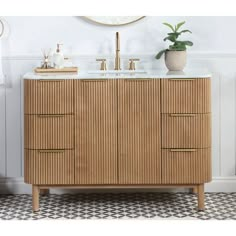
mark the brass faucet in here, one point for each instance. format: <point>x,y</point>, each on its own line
<point>117,59</point>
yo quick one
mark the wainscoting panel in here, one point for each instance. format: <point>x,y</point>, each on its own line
<point>222,66</point>
<point>2,132</point>
<point>14,69</point>
<point>227,116</point>
<point>13,121</point>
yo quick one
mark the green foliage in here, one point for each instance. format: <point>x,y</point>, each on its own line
<point>172,37</point>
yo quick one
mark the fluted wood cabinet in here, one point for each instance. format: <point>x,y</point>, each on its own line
<point>139,134</point>
<point>96,132</point>
<point>117,133</point>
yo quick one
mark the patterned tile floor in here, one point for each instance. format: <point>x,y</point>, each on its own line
<point>220,206</point>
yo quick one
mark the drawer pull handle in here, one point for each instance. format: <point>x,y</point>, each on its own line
<point>94,80</point>
<point>51,80</point>
<point>178,79</point>
<point>183,150</point>
<point>51,151</point>
<point>181,115</point>
<point>50,115</point>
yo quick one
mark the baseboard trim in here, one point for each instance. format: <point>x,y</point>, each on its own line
<point>221,184</point>
<point>17,186</point>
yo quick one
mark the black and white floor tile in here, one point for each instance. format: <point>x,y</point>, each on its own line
<point>220,206</point>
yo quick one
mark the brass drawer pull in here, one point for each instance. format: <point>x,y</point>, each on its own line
<point>182,115</point>
<point>183,150</point>
<point>94,80</point>
<point>178,79</point>
<point>50,115</point>
<point>51,151</point>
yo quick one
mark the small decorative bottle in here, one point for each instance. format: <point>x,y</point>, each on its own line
<point>58,58</point>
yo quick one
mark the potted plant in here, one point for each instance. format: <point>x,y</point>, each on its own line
<point>175,55</point>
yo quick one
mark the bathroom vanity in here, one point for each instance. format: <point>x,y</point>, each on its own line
<point>148,130</point>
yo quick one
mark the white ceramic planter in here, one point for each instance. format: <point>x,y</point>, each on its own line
<point>175,60</point>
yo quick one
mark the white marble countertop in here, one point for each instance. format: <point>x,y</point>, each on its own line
<point>132,75</point>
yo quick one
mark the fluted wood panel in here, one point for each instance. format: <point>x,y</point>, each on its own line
<point>139,160</point>
<point>186,167</point>
<point>49,131</point>
<point>96,131</point>
<point>48,96</point>
<point>186,130</point>
<point>186,95</point>
<point>49,167</point>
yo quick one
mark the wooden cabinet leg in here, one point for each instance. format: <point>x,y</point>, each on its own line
<point>201,197</point>
<point>35,198</point>
<point>44,191</point>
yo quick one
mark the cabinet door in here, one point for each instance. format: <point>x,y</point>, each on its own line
<point>139,132</point>
<point>96,131</point>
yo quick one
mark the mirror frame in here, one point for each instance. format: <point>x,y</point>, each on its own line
<point>107,24</point>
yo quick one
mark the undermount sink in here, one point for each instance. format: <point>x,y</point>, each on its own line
<point>117,72</point>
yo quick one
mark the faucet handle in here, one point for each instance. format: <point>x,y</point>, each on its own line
<point>132,63</point>
<point>103,64</point>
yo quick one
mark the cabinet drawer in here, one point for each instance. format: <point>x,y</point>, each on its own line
<point>49,166</point>
<point>49,131</point>
<point>186,166</point>
<point>185,95</point>
<point>186,130</point>
<point>48,96</point>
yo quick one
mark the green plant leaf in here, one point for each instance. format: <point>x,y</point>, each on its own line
<point>171,38</point>
<point>170,26</point>
<point>180,47</point>
<point>159,55</point>
<point>179,25</point>
<point>176,34</point>
<point>185,31</point>
<point>188,43</point>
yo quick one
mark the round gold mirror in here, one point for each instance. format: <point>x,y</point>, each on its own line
<point>4,28</point>
<point>114,20</point>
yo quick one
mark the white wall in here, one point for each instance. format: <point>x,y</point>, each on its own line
<point>214,48</point>
<point>30,34</point>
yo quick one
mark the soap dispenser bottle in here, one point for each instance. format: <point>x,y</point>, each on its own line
<point>58,58</point>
